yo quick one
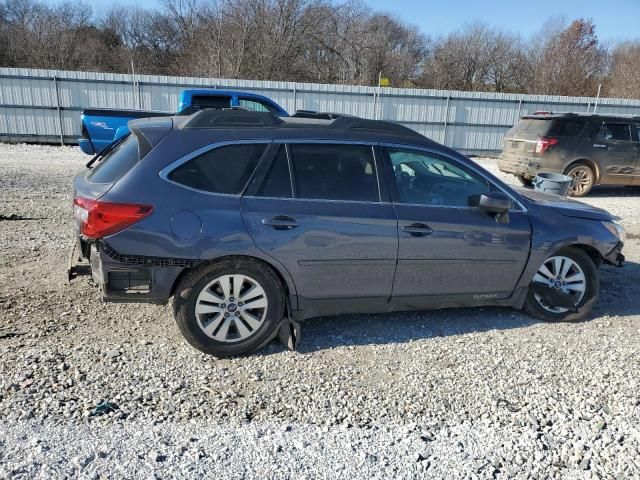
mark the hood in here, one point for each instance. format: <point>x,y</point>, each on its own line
<point>564,206</point>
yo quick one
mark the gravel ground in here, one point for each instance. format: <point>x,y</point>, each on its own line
<point>466,393</point>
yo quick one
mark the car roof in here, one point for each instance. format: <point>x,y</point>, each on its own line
<point>252,124</point>
<point>613,116</point>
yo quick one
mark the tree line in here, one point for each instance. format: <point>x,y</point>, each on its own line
<point>321,41</point>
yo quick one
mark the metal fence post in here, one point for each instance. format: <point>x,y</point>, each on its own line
<point>375,105</point>
<point>446,121</point>
<point>55,86</point>
<point>295,99</point>
<point>139,95</point>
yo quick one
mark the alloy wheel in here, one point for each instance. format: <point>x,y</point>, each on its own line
<point>231,308</point>
<point>581,179</point>
<point>563,274</point>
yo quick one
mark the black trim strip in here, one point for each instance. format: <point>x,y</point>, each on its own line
<point>143,260</point>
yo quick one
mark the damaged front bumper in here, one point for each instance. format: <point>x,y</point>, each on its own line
<point>615,257</point>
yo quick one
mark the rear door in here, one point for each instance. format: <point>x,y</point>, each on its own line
<point>615,152</point>
<point>321,211</point>
<point>448,252</point>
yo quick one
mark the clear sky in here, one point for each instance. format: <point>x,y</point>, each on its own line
<point>615,19</point>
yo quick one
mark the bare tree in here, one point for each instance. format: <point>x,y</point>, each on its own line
<point>624,78</point>
<point>567,60</point>
<point>327,41</point>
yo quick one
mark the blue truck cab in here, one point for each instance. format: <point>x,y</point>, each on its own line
<point>101,127</point>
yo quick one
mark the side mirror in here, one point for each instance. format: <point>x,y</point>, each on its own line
<point>494,203</point>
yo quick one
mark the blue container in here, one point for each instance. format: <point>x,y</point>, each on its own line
<point>552,183</point>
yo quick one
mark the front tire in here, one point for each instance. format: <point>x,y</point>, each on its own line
<point>583,178</point>
<point>572,271</point>
<point>232,307</point>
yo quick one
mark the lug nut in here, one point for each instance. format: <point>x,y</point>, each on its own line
<point>223,305</point>
<point>226,314</point>
<point>237,314</point>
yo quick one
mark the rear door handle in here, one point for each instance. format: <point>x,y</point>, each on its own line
<point>600,145</point>
<point>281,222</point>
<point>417,229</point>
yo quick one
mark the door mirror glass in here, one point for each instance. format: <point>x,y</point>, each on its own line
<point>493,202</point>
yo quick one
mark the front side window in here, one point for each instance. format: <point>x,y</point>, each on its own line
<point>614,131</point>
<point>334,172</point>
<point>255,105</point>
<point>220,170</point>
<point>427,179</point>
<point>637,132</point>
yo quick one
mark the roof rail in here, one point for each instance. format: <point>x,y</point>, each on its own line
<point>231,118</point>
<point>316,115</point>
<point>356,123</point>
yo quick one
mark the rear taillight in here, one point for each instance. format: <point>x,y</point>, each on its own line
<point>99,219</point>
<point>544,143</point>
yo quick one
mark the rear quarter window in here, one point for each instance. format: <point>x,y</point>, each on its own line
<point>220,170</point>
<point>116,163</point>
<point>567,128</point>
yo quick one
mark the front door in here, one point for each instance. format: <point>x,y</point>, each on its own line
<point>615,152</point>
<point>320,212</point>
<point>450,253</point>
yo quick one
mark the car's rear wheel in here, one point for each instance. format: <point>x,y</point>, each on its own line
<point>569,271</point>
<point>582,179</point>
<point>525,181</point>
<point>229,308</point>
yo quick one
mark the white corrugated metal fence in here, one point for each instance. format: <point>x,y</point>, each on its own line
<point>45,105</point>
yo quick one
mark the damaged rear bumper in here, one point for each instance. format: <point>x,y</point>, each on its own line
<point>125,279</point>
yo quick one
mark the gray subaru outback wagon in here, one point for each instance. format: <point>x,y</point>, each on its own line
<point>592,149</point>
<point>250,221</point>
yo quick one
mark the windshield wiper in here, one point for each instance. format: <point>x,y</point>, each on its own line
<point>106,150</point>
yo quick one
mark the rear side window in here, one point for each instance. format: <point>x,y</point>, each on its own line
<point>637,132</point>
<point>221,170</point>
<point>567,128</point>
<point>277,182</point>
<point>116,163</point>
<point>614,131</point>
<point>334,172</point>
<point>207,101</point>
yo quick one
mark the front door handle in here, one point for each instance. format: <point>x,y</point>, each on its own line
<point>600,145</point>
<point>281,222</point>
<point>417,229</point>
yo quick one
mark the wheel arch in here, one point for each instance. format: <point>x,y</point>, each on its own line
<point>591,251</point>
<point>591,163</point>
<point>279,270</point>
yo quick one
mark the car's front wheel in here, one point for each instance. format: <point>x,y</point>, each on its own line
<point>564,288</point>
<point>228,308</point>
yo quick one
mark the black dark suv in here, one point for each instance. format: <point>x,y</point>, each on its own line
<point>592,149</point>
